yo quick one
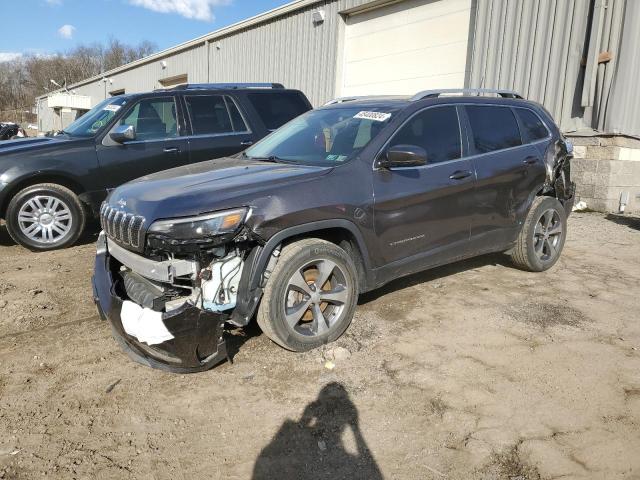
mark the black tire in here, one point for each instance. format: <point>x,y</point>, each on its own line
<point>304,256</point>
<point>536,248</point>
<point>73,228</point>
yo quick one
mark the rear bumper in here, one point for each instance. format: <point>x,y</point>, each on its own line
<point>198,342</point>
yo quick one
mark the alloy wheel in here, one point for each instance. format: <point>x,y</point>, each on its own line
<point>315,297</point>
<point>45,219</point>
<point>547,235</point>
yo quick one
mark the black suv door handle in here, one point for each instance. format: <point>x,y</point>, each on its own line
<point>460,174</point>
<point>172,150</point>
<point>247,143</point>
<point>530,160</point>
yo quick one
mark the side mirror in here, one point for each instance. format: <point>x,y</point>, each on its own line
<point>123,133</point>
<point>400,156</point>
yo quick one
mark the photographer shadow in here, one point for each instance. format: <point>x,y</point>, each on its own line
<point>313,447</point>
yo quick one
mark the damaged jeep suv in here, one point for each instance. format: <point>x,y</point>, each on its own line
<point>337,202</point>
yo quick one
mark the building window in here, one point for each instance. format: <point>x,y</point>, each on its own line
<point>115,93</point>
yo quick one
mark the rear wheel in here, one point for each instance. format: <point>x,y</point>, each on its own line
<point>310,297</point>
<point>45,217</point>
<point>542,237</point>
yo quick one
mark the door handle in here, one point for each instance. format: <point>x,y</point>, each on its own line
<point>172,150</point>
<point>460,174</point>
<point>246,143</point>
<point>530,161</point>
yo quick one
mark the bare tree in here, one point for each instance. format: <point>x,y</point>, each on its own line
<point>25,78</point>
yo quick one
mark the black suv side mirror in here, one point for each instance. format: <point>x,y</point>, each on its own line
<point>400,156</point>
<point>123,133</point>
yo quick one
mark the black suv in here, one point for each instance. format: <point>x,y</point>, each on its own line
<point>337,202</point>
<point>8,130</point>
<point>47,185</point>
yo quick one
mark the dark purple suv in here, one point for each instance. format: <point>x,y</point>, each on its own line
<point>337,202</point>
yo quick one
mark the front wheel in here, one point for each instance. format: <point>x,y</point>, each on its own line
<point>45,217</point>
<point>542,237</point>
<point>310,297</point>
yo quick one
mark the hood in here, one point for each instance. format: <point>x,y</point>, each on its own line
<point>31,144</point>
<point>208,186</point>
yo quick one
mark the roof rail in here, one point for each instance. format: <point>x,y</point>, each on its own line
<point>338,100</point>
<point>465,91</point>
<point>224,86</point>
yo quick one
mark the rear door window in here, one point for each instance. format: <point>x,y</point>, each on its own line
<point>532,127</point>
<point>437,130</point>
<point>277,108</point>
<point>214,114</point>
<point>494,128</point>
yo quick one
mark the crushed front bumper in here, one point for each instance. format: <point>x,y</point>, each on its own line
<point>199,338</point>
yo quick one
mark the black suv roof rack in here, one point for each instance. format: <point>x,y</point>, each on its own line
<point>224,86</point>
<point>465,91</point>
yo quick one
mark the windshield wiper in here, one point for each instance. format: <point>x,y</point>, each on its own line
<point>271,158</point>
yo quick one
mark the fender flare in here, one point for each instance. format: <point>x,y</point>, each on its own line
<point>250,289</point>
<point>278,238</point>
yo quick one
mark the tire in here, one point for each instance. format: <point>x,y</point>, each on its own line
<point>542,237</point>
<point>308,261</point>
<point>45,217</point>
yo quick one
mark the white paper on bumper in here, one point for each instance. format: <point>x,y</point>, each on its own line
<point>144,324</point>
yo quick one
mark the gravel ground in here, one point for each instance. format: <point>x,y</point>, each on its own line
<point>471,371</point>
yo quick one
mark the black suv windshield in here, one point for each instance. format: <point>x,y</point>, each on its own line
<point>323,137</point>
<point>97,118</point>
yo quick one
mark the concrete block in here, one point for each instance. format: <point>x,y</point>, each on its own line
<point>611,153</point>
<point>585,191</point>
<point>579,151</point>
<point>603,192</point>
<point>604,167</point>
<point>621,141</point>
<point>584,140</point>
<point>584,165</point>
<point>624,180</point>
<point>632,168</point>
<point>590,178</point>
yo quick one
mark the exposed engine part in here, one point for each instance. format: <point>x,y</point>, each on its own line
<point>220,286</point>
<point>155,296</point>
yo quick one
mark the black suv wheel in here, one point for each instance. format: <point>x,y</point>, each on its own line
<point>45,217</point>
<point>310,297</point>
<point>542,237</point>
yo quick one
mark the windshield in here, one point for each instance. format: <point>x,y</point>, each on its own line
<point>323,137</point>
<point>95,119</point>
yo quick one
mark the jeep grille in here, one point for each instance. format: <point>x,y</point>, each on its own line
<point>124,228</point>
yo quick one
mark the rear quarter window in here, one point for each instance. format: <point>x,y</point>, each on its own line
<point>494,128</point>
<point>532,127</point>
<point>277,108</point>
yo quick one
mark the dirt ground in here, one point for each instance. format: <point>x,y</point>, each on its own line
<point>471,371</point>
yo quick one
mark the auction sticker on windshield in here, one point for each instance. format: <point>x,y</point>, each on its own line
<point>112,108</point>
<point>375,116</point>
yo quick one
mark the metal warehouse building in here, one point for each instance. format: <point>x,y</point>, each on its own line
<point>576,57</point>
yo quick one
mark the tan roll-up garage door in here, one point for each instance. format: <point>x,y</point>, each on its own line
<point>406,47</point>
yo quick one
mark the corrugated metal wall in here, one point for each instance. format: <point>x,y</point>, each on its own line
<point>623,113</point>
<point>146,77</point>
<point>290,50</point>
<point>548,50</point>
<point>534,47</point>
<point>545,49</point>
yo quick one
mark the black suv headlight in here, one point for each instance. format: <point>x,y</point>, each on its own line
<point>201,227</point>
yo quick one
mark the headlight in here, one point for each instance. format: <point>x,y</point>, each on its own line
<point>201,227</point>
